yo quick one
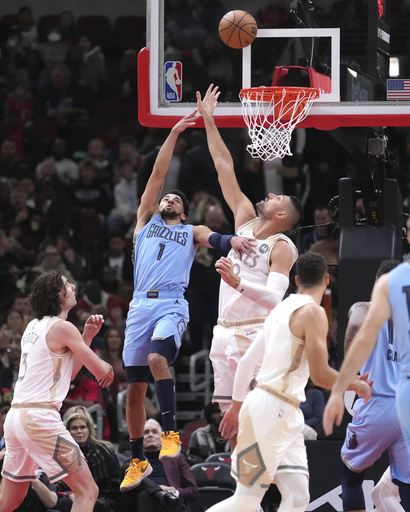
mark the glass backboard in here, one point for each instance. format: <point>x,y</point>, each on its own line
<point>353,43</point>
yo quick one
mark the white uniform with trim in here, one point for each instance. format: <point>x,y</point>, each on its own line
<point>240,318</point>
<point>270,438</point>
<point>34,432</point>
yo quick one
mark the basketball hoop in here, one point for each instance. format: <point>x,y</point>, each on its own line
<point>271,114</point>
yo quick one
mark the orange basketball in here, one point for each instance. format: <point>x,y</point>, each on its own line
<point>238,29</point>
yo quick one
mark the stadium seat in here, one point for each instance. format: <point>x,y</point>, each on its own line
<point>224,457</point>
<point>214,482</point>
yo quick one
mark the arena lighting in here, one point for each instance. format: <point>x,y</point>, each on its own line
<point>394,67</point>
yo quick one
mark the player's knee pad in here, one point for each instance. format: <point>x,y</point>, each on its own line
<point>352,490</point>
<point>166,348</point>
<point>404,491</point>
<point>294,490</point>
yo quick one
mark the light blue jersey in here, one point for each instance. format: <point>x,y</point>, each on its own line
<point>383,363</point>
<point>399,296</point>
<point>163,258</point>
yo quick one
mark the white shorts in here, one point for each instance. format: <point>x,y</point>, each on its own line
<point>38,438</point>
<point>270,440</point>
<point>229,344</point>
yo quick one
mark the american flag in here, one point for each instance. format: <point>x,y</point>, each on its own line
<point>398,89</point>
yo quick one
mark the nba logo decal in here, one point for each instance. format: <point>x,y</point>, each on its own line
<point>173,81</point>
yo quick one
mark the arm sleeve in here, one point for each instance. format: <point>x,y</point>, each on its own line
<point>246,367</point>
<point>268,295</point>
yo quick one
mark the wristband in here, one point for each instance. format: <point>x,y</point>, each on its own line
<point>220,242</point>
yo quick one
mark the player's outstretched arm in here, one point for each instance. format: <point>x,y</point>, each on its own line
<point>65,334</point>
<point>153,190</point>
<point>207,238</point>
<point>240,205</point>
<point>266,295</point>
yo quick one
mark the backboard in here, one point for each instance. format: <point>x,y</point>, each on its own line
<point>351,44</point>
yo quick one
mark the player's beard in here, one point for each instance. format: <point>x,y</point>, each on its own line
<point>169,214</point>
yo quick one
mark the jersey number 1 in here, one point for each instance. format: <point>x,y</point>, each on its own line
<point>161,251</point>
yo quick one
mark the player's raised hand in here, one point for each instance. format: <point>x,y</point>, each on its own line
<point>243,244</point>
<point>207,105</point>
<point>224,266</point>
<point>186,122</point>
<point>93,325</point>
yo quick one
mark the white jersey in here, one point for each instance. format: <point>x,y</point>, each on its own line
<point>233,306</point>
<point>285,366</point>
<point>43,375</point>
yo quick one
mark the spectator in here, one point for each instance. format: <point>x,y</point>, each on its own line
<point>101,459</point>
<point>91,206</point>
<point>53,51</point>
<point>10,270</point>
<point>4,346</point>
<point>124,213</point>
<point>9,375</point>
<point>21,303</point>
<point>207,440</point>
<point>113,345</point>
<point>26,218</point>
<point>66,25</point>
<point>118,257</point>
<point>41,495</point>
<point>112,353</point>
<point>52,260</point>
<point>170,479</point>
<point>11,166</point>
<point>62,99</point>
<point>97,153</point>
<point>84,391</point>
<point>20,100</point>
<point>322,219</point>
<point>203,289</point>
<point>67,169</point>
<point>96,301</point>
<point>93,69</point>
<point>14,322</point>
<point>69,256</point>
<point>123,84</point>
<point>58,210</point>
<point>33,72</point>
<point>23,37</point>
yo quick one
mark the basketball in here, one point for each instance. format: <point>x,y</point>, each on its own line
<point>238,29</point>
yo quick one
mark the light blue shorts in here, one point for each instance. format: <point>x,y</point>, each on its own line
<point>153,319</point>
<point>374,429</point>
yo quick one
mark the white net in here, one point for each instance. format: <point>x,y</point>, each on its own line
<point>271,114</point>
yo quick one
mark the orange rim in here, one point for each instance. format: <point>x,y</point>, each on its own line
<point>254,93</point>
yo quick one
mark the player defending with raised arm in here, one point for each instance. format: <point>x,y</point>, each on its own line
<point>390,298</point>
<point>292,346</point>
<point>252,286</point>
<point>52,352</point>
<point>164,250</point>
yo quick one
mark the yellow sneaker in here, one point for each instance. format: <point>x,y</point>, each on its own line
<point>171,445</point>
<point>135,473</point>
